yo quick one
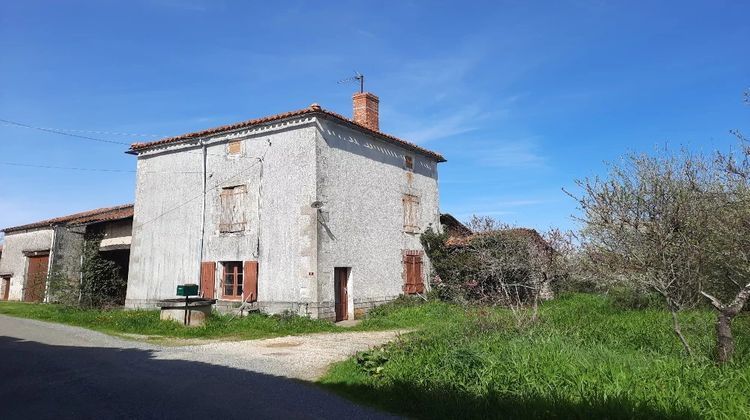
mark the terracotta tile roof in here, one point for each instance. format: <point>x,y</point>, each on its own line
<point>91,216</point>
<point>313,109</point>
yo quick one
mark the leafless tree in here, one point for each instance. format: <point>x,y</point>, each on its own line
<point>635,226</point>
<point>726,247</point>
<point>678,224</point>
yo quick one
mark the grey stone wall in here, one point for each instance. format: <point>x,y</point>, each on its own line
<point>279,233</point>
<point>361,181</point>
<point>66,256</point>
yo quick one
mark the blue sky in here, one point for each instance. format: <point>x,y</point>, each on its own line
<point>521,97</point>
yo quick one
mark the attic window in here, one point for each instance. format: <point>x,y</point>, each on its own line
<point>411,213</point>
<point>234,147</point>
<point>408,162</point>
<point>232,216</point>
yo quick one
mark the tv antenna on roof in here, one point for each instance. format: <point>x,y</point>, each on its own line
<point>358,77</point>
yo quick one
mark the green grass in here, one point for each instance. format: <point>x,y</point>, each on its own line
<point>584,359</point>
<point>147,323</point>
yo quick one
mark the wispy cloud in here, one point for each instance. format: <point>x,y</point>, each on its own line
<point>465,120</point>
<point>523,153</point>
<point>494,207</point>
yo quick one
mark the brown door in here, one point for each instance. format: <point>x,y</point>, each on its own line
<point>36,278</point>
<point>6,287</point>
<point>340,277</point>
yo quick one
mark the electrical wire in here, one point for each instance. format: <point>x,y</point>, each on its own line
<point>29,165</point>
<point>50,130</point>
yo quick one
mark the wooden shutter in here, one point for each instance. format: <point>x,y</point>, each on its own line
<point>417,267</point>
<point>208,279</point>
<point>413,282</point>
<point>250,286</point>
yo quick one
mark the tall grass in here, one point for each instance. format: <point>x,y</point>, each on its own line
<point>585,358</point>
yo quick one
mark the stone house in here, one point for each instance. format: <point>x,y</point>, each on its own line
<point>33,251</point>
<point>306,211</point>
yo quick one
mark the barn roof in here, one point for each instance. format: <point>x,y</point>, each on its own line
<point>86,217</point>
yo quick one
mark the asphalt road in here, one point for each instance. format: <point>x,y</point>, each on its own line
<point>55,371</point>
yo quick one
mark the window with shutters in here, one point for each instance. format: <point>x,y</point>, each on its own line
<point>413,282</point>
<point>234,147</point>
<point>232,209</point>
<point>411,213</point>
<point>232,281</point>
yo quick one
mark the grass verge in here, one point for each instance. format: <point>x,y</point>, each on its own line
<point>147,323</point>
<point>584,359</point>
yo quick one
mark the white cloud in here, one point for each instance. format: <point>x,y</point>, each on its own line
<point>511,154</point>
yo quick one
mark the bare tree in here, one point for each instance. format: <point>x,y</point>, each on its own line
<point>635,226</point>
<point>680,225</point>
<point>726,247</point>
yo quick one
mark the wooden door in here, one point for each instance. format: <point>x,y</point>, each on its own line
<point>6,287</point>
<point>340,278</point>
<point>36,278</point>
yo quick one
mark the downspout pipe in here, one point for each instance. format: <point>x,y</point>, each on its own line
<point>203,212</point>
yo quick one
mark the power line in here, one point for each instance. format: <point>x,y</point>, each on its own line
<point>109,133</point>
<point>68,168</point>
<point>50,130</point>
<point>63,167</point>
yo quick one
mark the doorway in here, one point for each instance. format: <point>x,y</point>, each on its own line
<point>341,292</point>
<point>5,284</point>
<point>36,278</point>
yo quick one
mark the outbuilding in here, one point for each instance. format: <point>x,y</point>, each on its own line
<point>33,251</point>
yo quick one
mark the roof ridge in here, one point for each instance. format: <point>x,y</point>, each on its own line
<point>312,109</point>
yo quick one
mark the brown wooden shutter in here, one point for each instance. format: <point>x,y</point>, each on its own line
<point>409,269</point>
<point>418,282</point>
<point>208,279</point>
<point>250,286</point>
<point>413,282</point>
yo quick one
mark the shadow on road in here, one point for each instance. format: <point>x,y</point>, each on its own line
<point>43,381</point>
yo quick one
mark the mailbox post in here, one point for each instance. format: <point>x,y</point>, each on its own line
<point>187,290</point>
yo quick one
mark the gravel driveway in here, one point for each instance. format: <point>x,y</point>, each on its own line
<point>304,357</point>
<point>60,372</point>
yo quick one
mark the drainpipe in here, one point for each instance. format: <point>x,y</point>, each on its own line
<point>203,210</point>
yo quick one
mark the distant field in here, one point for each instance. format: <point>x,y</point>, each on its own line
<point>585,359</point>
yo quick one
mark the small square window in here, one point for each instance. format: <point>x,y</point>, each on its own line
<point>408,162</point>
<point>234,147</point>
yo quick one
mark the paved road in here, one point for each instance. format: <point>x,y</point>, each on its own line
<point>56,371</point>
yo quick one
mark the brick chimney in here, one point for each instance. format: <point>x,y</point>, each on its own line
<point>366,110</point>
